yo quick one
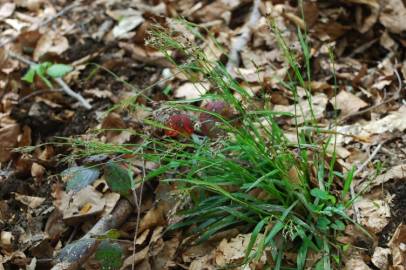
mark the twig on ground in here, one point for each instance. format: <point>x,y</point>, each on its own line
<point>43,23</point>
<point>359,170</point>
<point>59,81</point>
<point>240,42</point>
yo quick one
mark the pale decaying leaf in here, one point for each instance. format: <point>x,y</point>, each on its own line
<point>398,247</point>
<point>395,173</point>
<point>373,214</point>
<point>6,10</point>
<point>191,90</point>
<point>380,258</point>
<point>394,121</point>
<point>230,251</point>
<point>304,110</point>
<point>84,203</point>
<point>356,264</point>
<point>30,201</point>
<point>393,15</point>
<point>127,24</point>
<point>348,103</point>
<point>50,42</point>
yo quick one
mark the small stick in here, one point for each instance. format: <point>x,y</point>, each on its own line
<point>59,81</point>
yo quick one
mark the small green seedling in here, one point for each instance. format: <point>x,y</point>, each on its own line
<point>45,71</point>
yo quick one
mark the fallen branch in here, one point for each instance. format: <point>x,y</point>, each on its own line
<point>73,255</point>
<point>59,81</point>
<point>240,42</point>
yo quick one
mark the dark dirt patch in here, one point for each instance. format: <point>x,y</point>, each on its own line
<point>398,210</point>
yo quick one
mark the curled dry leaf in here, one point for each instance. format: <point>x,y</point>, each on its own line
<point>348,103</point>
<point>50,42</point>
<point>84,203</point>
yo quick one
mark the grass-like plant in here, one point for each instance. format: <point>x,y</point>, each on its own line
<point>250,176</point>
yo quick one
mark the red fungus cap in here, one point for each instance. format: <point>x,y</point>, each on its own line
<point>179,124</point>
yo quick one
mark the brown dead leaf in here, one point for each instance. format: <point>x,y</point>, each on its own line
<point>37,171</point>
<point>154,217</point>
<point>319,102</point>
<point>395,173</point>
<point>8,140</point>
<point>140,53</point>
<point>233,251</point>
<point>348,103</point>
<point>136,258</point>
<point>84,203</point>
<point>50,42</point>
<point>374,214</point>
<point>165,258</point>
<point>394,121</point>
<point>213,11</point>
<point>393,15</point>
<point>397,245</point>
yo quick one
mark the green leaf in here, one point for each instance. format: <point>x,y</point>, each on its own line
<point>58,70</point>
<point>79,177</point>
<point>338,225</point>
<point>109,255</point>
<point>323,223</point>
<point>29,75</point>
<point>118,178</point>
<point>322,195</point>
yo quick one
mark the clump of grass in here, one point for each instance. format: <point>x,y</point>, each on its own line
<point>252,177</point>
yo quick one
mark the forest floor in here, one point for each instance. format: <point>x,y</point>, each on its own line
<point>356,76</point>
